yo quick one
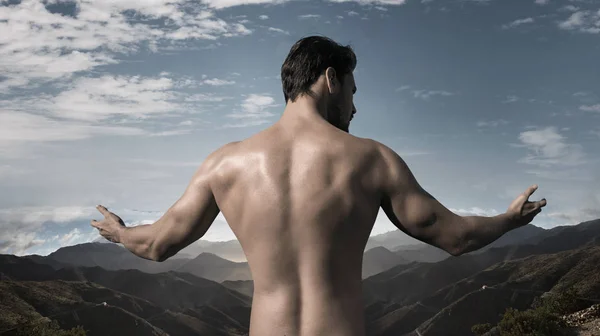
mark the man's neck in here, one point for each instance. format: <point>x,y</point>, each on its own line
<point>305,108</point>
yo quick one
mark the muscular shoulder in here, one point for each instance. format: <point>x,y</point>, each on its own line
<point>390,167</point>
<point>215,162</point>
<point>378,152</point>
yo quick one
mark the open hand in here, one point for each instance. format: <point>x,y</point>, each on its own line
<point>522,211</point>
<point>111,226</point>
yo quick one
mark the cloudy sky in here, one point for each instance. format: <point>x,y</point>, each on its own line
<point>117,103</point>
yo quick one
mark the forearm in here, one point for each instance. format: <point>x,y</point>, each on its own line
<point>139,240</point>
<point>481,231</point>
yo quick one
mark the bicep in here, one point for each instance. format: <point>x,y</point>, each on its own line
<point>413,210</point>
<point>192,214</point>
<point>189,218</point>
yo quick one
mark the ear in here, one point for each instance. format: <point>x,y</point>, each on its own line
<point>331,78</point>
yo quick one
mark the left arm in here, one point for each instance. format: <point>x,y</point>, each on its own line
<point>185,222</point>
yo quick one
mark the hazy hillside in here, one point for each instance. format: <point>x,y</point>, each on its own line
<point>213,267</point>
<point>187,304</point>
<point>421,253</point>
<point>379,259</point>
<point>436,297</point>
<point>513,284</point>
<point>420,291</point>
<point>245,287</point>
<point>398,240</point>
<point>230,250</point>
<point>78,303</point>
<point>209,265</point>
<point>109,256</point>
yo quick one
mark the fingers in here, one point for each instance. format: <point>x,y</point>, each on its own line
<point>95,224</point>
<point>103,210</point>
<point>530,190</point>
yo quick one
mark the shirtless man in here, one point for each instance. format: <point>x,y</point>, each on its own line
<point>301,197</point>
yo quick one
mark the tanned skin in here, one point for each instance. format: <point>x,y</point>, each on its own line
<point>301,197</point>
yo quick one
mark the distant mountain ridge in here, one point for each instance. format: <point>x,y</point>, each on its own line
<point>215,267</point>
<point>431,297</point>
<point>395,310</point>
<point>169,295</point>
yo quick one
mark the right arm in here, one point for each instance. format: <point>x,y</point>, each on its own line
<point>415,212</point>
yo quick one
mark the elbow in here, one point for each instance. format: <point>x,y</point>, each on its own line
<point>457,246</point>
<point>158,257</point>
<point>157,253</point>
<point>455,251</point>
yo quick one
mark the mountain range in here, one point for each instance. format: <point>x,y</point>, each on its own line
<point>409,289</point>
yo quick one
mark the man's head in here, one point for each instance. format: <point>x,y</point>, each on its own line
<point>320,68</point>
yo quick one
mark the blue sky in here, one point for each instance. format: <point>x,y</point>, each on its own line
<point>117,103</point>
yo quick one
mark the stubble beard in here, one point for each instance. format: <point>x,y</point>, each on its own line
<point>334,116</point>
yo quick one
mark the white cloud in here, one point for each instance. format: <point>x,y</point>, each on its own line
<point>511,99</point>
<point>427,94</point>
<point>75,237</point>
<point>277,30</point>
<point>95,99</point>
<point>85,108</point>
<point>577,216</point>
<point>170,133</point>
<point>549,148</point>
<point>590,108</point>
<point>257,103</point>
<point>39,215</point>
<point>254,111</point>
<point>19,242</point>
<point>263,17</point>
<point>542,2</point>
<point>562,175</point>
<point>17,128</point>
<point>45,46</point>
<point>569,8</point>
<point>518,23</point>
<point>475,211</point>
<point>374,2</point>
<point>492,123</point>
<point>245,123</point>
<point>309,16</point>
<point>583,21</point>
<point>218,82</point>
<point>19,226</point>
<point>221,4</point>
<point>205,97</point>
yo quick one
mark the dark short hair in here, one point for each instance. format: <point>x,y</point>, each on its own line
<point>308,59</point>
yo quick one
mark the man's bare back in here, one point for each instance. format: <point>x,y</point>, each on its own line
<point>302,197</point>
<point>302,203</point>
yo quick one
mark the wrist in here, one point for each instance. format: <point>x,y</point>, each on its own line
<point>121,233</point>
<point>509,221</point>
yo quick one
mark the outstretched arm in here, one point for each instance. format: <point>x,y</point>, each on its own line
<point>414,211</point>
<point>185,222</point>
